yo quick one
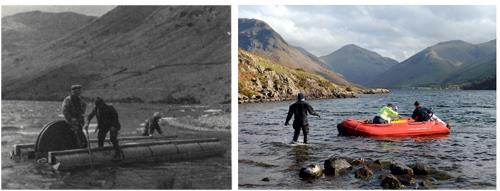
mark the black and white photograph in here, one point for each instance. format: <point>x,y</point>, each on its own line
<point>116,97</point>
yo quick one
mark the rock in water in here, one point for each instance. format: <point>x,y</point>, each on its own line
<point>357,162</point>
<point>336,166</point>
<point>406,179</point>
<point>421,169</point>
<point>391,182</point>
<point>266,179</point>
<point>310,171</point>
<point>400,169</point>
<point>363,173</point>
<point>426,184</point>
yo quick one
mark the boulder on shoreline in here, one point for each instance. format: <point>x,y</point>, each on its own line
<point>391,182</point>
<point>398,168</point>
<point>335,166</point>
<point>310,172</point>
<point>363,173</point>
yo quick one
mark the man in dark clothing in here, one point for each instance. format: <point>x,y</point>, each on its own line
<point>300,109</point>
<point>73,109</point>
<point>107,121</point>
<point>421,113</point>
<point>152,124</point>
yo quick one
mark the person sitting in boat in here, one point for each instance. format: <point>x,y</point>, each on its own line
<point>73,109</point>
<point>299,110</point>
<point>384,114</point>
<point>107,121</point>
<point>421,113</point>
<point>152,124</point>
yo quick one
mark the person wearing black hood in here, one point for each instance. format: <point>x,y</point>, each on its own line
<point>421,113</point>
<point>107,121</point>
<point>299,110</point>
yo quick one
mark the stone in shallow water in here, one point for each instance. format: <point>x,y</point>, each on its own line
<point>421,168</point>
<point>398,168</point>
<point>336,166</point>
<point>391,182</point>
<point>363,173</point>
<point>310,171</point>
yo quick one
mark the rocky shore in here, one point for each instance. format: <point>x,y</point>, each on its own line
<point>389,173</point>
<point>262,80</point>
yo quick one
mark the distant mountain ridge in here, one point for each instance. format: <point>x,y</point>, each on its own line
<point>171,54</point>
<point>451,63</point>
<point>30,29</point>
<point>258,37</point>
<point>357,64</point>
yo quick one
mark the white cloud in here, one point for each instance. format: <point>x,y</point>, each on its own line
<point>393,31</point>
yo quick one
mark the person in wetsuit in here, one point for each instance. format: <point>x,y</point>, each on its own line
<point>421,113</point>
<point>300,110</point>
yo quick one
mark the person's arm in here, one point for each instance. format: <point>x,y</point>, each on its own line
<point>311,111</point>
<point>414,115</point>
<point>290,114</point>
<point>65,109</point>
<point>392,113</point>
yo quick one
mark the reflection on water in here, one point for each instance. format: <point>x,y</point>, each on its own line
<point>22,121</point>
<point>468,154</point>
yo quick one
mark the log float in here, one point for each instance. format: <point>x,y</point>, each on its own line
<point>21,150</point>
<point>57,142</point>
<point>159,151</point>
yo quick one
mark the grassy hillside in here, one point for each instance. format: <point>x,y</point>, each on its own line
<point>171,54</point>
<point>257,36</point>
<point>261,78</point>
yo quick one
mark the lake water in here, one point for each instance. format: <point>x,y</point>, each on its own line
<point>468,154</point>
<point>23,120</point>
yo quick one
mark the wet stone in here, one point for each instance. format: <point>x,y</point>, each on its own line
<point>421,169</point>
<point>391,182</point>
<point>311,171</point>
<point>265,179</point>
<point>398,168</point>
<point>336,166</point>
<point>425,184</point>
<point>357,162</point>
<point>363,173</point>
<point>407,179</point>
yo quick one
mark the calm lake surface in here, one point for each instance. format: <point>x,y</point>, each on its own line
<point>23,120</point>
<point>468,154</point>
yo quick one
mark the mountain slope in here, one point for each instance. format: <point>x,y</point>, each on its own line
<point>257,36</point>
<point>148,53</point>
<point>357,64</point>
<point>436,66</point>
<point>30,29</point>
<point>262,79</point>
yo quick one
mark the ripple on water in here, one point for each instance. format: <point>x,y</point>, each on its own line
<point>469,151</point>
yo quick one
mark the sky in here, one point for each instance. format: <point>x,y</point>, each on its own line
<point>90,10</point>
<point>393,31</point>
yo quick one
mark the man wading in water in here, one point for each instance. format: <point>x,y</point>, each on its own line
<point>107,120</point>
<point>300,109</point>
<point>73,109</point>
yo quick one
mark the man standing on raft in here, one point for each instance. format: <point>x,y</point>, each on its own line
<point>300,109</point>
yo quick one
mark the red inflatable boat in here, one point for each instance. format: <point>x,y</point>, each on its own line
<point>400,128</point>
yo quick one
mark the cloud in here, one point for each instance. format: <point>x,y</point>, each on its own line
<point>393,31</point>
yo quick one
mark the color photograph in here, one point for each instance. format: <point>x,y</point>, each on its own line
<point>366,97</point>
